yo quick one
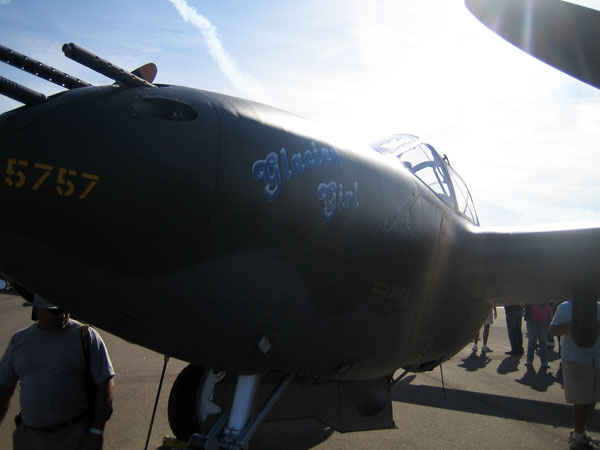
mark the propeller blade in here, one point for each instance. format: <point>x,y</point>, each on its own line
<point>147,72</point>
<point>561,34</point>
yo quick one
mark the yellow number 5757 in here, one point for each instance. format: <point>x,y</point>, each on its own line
<point>65,187</point>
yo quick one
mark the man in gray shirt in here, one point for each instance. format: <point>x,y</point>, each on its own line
<point>66,380</point>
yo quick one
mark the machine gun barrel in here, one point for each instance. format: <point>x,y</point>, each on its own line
<point>88,59</point>
<point>20,93</point>
<point>39,69</point>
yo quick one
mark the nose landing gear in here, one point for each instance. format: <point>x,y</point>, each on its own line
<point>214,410</point>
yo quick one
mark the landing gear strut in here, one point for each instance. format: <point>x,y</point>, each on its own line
<point>213,410</point>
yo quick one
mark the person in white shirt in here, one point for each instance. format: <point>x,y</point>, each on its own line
<point>581,374</point>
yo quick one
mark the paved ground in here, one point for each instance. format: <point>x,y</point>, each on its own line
<point>488,402</point>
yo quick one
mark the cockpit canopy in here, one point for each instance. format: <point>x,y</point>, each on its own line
<point>434,171</point>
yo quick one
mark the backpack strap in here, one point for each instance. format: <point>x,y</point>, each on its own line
<point>90,386</point>
<point>85,343</point>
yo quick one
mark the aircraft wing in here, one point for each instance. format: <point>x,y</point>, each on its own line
<point>513,267</point>
<point>561,34</point>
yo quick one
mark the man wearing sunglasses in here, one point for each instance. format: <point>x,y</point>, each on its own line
<point>66,380</point>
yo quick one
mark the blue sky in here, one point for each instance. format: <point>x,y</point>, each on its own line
<point>523,136</point>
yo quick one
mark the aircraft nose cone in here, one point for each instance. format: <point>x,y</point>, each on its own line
<point>117,177</point>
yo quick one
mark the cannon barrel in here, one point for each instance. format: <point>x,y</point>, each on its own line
<point>20,93</point>
<point>40,69</point>
<point>94,62</point>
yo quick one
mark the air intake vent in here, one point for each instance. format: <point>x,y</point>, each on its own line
<point>165,109</point>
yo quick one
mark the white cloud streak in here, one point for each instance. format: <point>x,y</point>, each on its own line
<point>242,82</point>
<point>4,2</point>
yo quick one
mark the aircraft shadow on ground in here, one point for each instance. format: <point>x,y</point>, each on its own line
<point>296,434</point>
<point>531,411</point>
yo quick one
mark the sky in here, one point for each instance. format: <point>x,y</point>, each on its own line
<point>522,135</point>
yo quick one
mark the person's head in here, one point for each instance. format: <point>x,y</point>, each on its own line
<point>49,316</point>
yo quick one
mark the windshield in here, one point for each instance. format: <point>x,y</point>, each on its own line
<point>464,202</point>
<point>434,171</point>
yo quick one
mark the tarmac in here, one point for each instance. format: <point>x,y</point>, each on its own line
<point>485,401</point>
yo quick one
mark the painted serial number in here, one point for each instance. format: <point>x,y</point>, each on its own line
<point>20,173</point>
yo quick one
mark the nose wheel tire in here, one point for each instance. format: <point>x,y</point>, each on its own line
<point>183,402</point>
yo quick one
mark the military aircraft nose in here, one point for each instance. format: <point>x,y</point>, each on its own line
<point>114,176</point>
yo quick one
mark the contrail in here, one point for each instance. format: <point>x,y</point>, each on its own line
<point>240,81</point>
